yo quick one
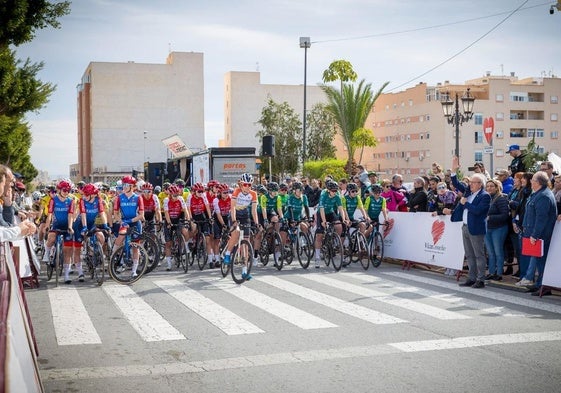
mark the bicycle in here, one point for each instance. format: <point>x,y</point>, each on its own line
<point>56,258</point>
<point>94,256</point>
<point>357,249</point>
<point>301,242</point>
<point>331,246</point>
<point>178,250</point>
<point>240,258</point>
<point>199,252</point>
<point>376,245</point>
<point>150,244</point>
<point>271,244</point>
<point>121,260</point>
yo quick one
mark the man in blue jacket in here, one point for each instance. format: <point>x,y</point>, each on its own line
<point>472,210</point>
<point>539,221</point>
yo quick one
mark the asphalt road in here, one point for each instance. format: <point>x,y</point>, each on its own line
<point>383,330</point>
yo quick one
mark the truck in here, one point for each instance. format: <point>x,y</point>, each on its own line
<point>223,164</point>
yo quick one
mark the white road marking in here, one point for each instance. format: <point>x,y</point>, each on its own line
<point>149,324</point>
<point>516,300</point>
<point>219,316</point>
<point>285,358</point>
<point>345,307</point>
<point>284,311</point>
<point>72,323</point>
<point>383,297</point>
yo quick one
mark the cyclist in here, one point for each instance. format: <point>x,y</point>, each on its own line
<point>244,208</point>
<point>199,209</point>
<point>152,211</point>
<point>330,209</point>
<point>175,209</point>
<point>163,194</point>
<point>61,216</point>
<point>297,202</point>
<point>222,206</point>
<point>128,209</point>
<point>375,204</point>
<point>91,209</point>
<point>353,202</point>
<point>212,242</point>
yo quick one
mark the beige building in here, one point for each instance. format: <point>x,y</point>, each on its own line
<point>245,97</point>
<point>412,132</point>
<point>126,109</point>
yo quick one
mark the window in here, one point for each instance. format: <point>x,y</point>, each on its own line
<point>554,134</point>
<point>421,136</point>
<point>554,99</point>
<point>478,119</point>
<point>410,102</point>
<point>553,117</point>
<point>519,97</point>
<point>408,137</point>
<point>421,118</point>
<point>428,135</point>
<point>478,136</point>
<point>499,98</point>
<point>499,152</point>
<point>499,135</point>
<point>499,116</point>
<point>539,133</point>
<point>428,117</point>
<point>478,155</point>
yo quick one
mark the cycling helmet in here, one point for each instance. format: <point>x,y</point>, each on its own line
<point>352,187</point>
<point>36,196</point>
<point>332,185</point>
<point>261,188</point>
<point>129,180</point>
<point>140,183</point>
<point>80,184</point>
<point>198,187</point>
<point>158,189</point>
<point>213,183</point>
<point>247,178</point>
<point>51,188</point>
<point>174,190</point>
<point>283,187</point>
<point>273,186</point>
<point>166,185</point>
<point>63,185</point>
<point>90,189</point>
<point>223,187</point>
<point>376,189</point>
<point>179,183</point>
<point>297,186</point>
<point>146,187</point>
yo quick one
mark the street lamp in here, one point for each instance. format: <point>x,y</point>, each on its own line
<point>304,43</point>
<point>452,113</point>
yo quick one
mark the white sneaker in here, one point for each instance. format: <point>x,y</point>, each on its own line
<point>318,263</point>
<point>524,283</point>
<point>168,265</point>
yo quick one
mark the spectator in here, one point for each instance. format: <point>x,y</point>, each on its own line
<point>557,194</point>
<point>478,167</point>
<point>397,185</point>
<point>511,243</point>
<point>504,177</point>
<point>518,210</point>
<point>343,187</point>
<point>306,186</point>
<point>362,175</point>
<point>24,228</point>
<point>539,220</point>
<point>437,171</point>
<point>547,167</point>
<point>313,196</point>
<point>372,178</point>
<point>472,211</point>
<point>418,196</point>
<point>517,163</point>
<point>498,219</point>
<point>446,199</point>
<point>394,199</point>
<point>432,193</point>
<point>6,196</point>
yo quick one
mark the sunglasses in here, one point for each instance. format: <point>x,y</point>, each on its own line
<point>246,184</point>
<point>147,191</point>
<point>225,193</point>
<point>199,191</point>
<point>353,191</point>
<point>441,188</point>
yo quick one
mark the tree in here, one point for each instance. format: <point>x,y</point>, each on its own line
<point>350,109</point>
<point>15,142</point>
<point>339,70</point>
<point>321,131</point>
<point>532,157</point>
<point>362,138</point>
<point>281,121</point>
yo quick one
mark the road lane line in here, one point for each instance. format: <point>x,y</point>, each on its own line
<point>298,357</point>
<point>383,297</point>
<point>334,303</point>
<point>290,314</point>
<point>71,321</point>
<point>148,323</point>
<point>219,316</point>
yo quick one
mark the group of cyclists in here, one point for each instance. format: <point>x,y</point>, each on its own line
<point>243,209</point>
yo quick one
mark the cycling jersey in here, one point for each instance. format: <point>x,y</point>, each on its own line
<point>329,204</point>
<point>351,204</point>
<point>60,209</point>
<point>222,206</point>
<point>91,210</point>
<point>129,206</point>
<point>374,207</point>
<point>284,201</point>
<point>174,207</point>
<point>295,206</point>
<point>151,205</point>
<point>271,204</point>
<point>244,201</point>
<point>197,205</point>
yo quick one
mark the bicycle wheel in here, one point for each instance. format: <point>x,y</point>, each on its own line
<point>98,265</point>
<point>377,249</point>
<point>303,247</point>
<point>225,269</point>
<point>153,252</point>
<point>200,251</point>
<point>336,251</point>
<point>361,251</point>
<point>120,265</point>
<point>264,249</point>
<point>180,254</point>
<point>278,250</point>
<point>348,251</point>
<point>59,261</point>
<point>50,267</point>
<point>240,261</point>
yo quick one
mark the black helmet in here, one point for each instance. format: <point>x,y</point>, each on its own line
<point>273,186</point>
<point>297,186</point>
<point>376,188</point>
<point>332,185</point>
<point>352,187</point>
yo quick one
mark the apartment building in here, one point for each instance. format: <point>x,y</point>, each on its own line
<point>412,132</point>
<point>126,109</point>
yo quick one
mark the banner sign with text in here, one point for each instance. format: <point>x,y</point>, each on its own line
<point>176,146</point>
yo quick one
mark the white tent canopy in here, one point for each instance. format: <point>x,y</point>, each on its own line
<point>556,161</point>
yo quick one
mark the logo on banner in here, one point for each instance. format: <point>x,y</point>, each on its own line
<point>488,129</point>
<point>437,230</point>
<point>388,228</point>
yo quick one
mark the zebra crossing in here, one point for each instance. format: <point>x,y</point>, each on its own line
<point>308,301</point>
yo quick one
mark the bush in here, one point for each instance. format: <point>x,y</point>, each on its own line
<point>320,169</point>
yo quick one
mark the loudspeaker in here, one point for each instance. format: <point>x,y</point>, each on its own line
<point>269,145</point>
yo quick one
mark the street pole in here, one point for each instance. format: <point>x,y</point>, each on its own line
<point>457,121</point>
<point>304,43</point>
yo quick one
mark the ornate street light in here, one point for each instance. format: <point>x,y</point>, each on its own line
<point>304,43</point>
<point>451,109</point>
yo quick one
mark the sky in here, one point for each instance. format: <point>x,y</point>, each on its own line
<point>404,42</point>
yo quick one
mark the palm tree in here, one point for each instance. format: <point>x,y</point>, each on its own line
<point>350,107</point>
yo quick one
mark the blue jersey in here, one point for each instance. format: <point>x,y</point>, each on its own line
<point>129,206</point>
<point>91,209</point>
<point>60,209</point>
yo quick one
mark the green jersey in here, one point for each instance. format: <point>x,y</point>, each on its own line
<point>271,204</point>
<point>374,207</point>
<point>350,204</point>
<point>295,206</point>
<point>329,204</point>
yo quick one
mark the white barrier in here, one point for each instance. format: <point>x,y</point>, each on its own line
<point>552,272</point>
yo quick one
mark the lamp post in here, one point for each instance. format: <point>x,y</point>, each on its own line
<point>452,113</point>
<point>304,43</point>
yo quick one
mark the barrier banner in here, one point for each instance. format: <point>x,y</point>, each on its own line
<point>552,272</point>
<point>420,237</point>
